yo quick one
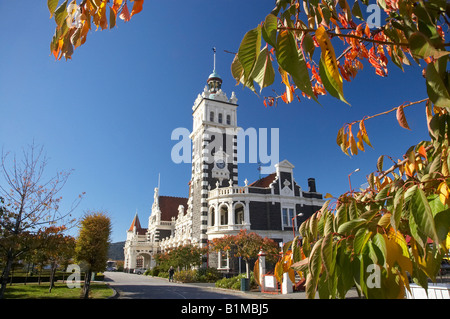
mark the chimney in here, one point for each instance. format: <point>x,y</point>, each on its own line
<point>312,185</point>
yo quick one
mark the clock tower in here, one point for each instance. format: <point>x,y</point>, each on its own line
<point>214,150</point>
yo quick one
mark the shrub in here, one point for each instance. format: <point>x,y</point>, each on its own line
<point>185,276</point>
<point>208,275</point>
<point>235,282</point>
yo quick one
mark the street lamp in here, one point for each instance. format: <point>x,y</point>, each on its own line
<point>293,226</point>
<point>349,182</point>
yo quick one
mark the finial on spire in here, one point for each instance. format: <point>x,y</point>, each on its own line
<point>214,50</point>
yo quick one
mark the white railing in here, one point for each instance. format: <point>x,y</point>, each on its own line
<point>221,228</point>
<point>226,191</point>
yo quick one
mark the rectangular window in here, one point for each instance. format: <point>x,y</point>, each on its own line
<point>223,259</point>
<point>288,215</point>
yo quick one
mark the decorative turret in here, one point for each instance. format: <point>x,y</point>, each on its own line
<point>214,80</point>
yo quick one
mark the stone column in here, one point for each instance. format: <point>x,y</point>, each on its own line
<point>262,267</point>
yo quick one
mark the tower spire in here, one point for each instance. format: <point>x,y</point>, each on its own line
<point>214,65</point>
<point>214,80</point>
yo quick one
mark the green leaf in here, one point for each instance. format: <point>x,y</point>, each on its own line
<point>378,250</point>
<point>269,30</point>
<point>249,51</point>
<point>421,47</point>
<point>238,73</point>
<point>341,216</point>
<point>296,251</point>
<point>308,45</point>
<point>328,259</point>
<point>329,83</point>
<point>361,238</point>
<point>421,218</point>
<point>436,88</point>
<point>356,11</point>
<point>52,4</point>
<point>314,267</point>
<point>263,73</point>
<point>61,13</point>
<point>380,163</point>
<point>398,209</point>
<point>292,61</point>
<point>346,228</point>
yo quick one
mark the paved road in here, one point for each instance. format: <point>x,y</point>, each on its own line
<point>132,286</point>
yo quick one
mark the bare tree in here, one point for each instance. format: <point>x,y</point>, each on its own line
<point>31,203</point>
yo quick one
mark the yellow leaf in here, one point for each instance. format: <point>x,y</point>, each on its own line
<point>444,192</point>
<point>329,56</point>
<point>360,143</point>
<point>395,254</point>
<point>362,129</point>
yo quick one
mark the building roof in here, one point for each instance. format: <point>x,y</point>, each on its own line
<point>265,181</point>
<point>136,223</point>
<point>169,206</point>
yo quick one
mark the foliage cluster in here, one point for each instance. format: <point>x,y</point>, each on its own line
<point>246,245</point>
<point>182,257</point>
<point>198,275</point>
<point>399,223</point>
<point>74,21</point>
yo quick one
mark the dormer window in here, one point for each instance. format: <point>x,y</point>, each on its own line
<point>211,116</point>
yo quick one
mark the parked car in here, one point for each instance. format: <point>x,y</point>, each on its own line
<point>140,271</point>
<point>445,266</point>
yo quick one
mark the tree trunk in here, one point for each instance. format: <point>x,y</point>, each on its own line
<point>5,275</point>
<point>87,284</point>
<point>52,276</point>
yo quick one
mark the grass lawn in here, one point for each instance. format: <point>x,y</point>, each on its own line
<point>98,290</point>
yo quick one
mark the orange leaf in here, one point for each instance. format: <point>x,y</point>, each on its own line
<point>401,118</point>
<point>422,151</point>
<point>137,7</point>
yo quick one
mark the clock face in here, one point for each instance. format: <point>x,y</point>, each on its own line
<point>220,164</point>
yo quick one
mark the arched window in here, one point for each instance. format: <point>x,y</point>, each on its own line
<point>228,119</point>
<point>211,116</point>
<point>223,215</point>
<point>220,118</point>
<point>239,214</point>
<point>212,214</point>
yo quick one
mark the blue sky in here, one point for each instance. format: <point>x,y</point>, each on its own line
<point>109,112</point>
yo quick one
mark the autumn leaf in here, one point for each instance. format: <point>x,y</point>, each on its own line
<point>293,62</point>
<point>52,4</point>
<point>125,14</point>
<point>401,118</point>
<point>362,129</point>
<point>328,68</point>
<point>137,7</point>
<point>444,193</point>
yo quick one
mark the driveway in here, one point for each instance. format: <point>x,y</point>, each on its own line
<point>132,286</point>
